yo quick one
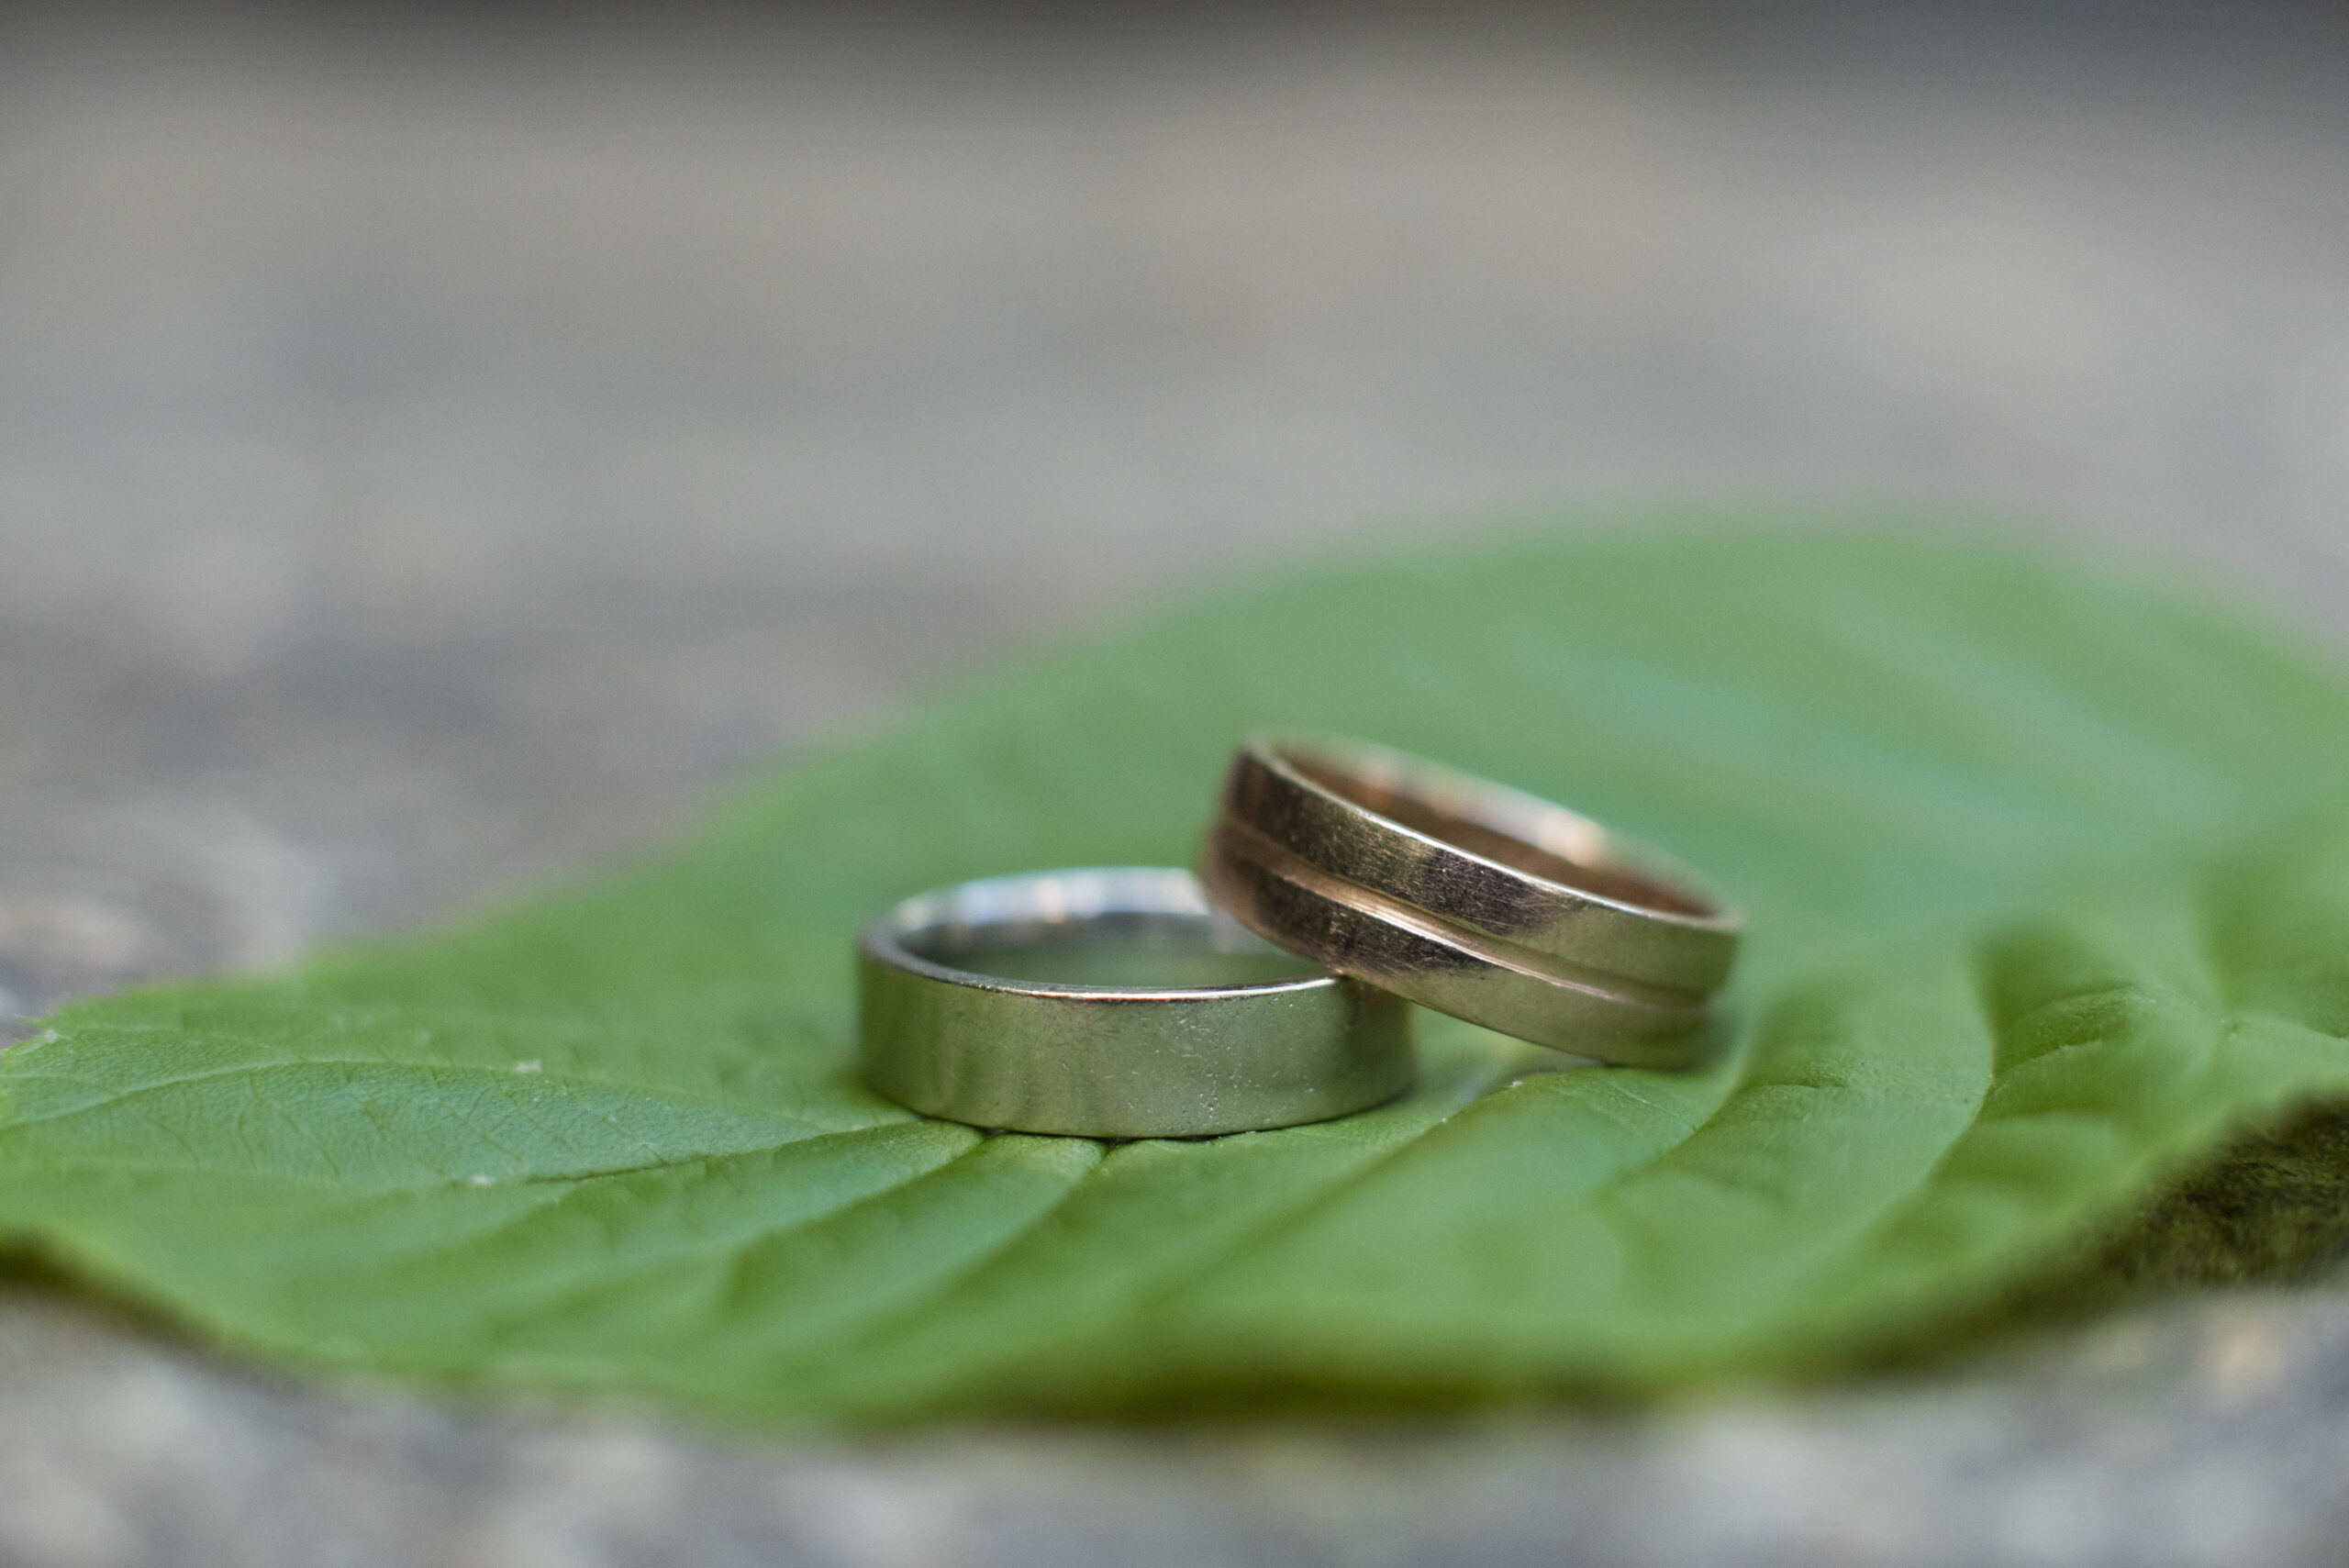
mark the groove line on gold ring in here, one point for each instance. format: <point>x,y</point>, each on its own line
<point>1384,822</point>
<point>1248,843</point>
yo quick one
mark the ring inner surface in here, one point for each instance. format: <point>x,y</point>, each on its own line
<point>1423,815</point>
<point>1122,950</point>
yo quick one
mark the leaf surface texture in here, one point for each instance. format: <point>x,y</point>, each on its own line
<point>2047,876</point>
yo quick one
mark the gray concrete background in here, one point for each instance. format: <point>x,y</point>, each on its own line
<point>434,450</point>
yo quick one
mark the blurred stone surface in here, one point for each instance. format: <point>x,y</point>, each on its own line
<point>2214,1436</point>
<point>433,452</point>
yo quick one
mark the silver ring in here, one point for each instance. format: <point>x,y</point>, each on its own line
<point>1113,1003</point>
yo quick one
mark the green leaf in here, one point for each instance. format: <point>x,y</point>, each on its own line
<point>2048,874</point>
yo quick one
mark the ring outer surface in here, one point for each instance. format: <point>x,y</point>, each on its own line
<point>1564,967</point>
<point>1689,948</point>
<point>1099,1061</point>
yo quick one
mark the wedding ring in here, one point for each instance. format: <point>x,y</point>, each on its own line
<point>1469,898</point>
<point>1113,1003</point>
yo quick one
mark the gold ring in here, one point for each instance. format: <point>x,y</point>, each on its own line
<point>1470,897</point>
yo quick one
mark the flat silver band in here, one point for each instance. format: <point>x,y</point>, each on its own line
<point>1110,1062</point>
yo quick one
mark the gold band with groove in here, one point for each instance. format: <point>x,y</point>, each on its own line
<point>1468,898</point>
